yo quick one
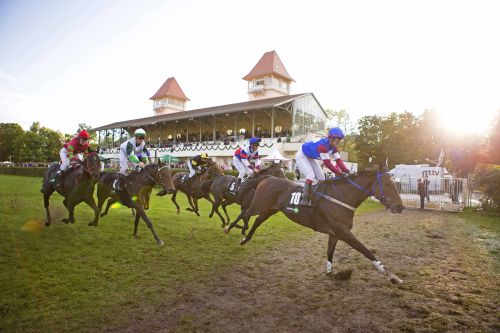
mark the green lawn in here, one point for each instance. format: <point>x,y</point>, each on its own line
<point>80,278</point>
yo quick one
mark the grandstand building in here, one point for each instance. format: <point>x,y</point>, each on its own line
<point>282,120</point>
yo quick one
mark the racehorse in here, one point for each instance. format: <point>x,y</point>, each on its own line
<point>197,187</point>
<point>78,186</point>
<point>138,186</point>
<point>224,193</point>
<point>332,210</point>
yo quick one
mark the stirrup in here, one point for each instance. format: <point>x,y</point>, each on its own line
<point>305,202</point>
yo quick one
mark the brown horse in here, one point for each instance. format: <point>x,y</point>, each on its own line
<point>197,187</point>
<point>224,193</point>
<point>138,190</point>
<point>78,186</point>
<point>332,211</point>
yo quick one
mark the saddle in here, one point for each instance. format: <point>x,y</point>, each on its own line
<point>296,195</point>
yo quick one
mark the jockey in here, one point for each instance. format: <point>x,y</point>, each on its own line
<point>322,149</point>
<point>243,154</point>
<point>128,151</point>
<point>72,152</point>
<point>197,164</point>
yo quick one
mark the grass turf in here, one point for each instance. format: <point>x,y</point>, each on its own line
<point>80,278</point>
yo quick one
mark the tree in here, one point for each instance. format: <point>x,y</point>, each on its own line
<point>41,144</point>
<point>11,138</point>
<point>494,141</point>
<point>342,120</point>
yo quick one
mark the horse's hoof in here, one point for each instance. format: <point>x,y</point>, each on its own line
<point>226,230</point>
<point>47,223</point>
<point>243,241</point>
<point>159,242</point>
<point>92,224</point>
<point>65,220</point>
<point>178,212</point>
<point>210,216</point>
<point>102,215</point>
<point>189,209</point>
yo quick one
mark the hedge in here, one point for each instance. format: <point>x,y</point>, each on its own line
<point>27,172</point>
<point>39,172</point>
<point>487,178</point>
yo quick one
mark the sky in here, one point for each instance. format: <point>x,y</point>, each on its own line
<point>99,61</point>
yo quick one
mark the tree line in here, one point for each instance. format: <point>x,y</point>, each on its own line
<point>38,144</point>
<point>403,138</point>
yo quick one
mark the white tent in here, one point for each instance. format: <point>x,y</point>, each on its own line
<point>275,156</point>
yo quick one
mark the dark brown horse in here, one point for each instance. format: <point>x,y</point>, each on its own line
<point>224,194</point>
<point>332,211</point>
<point>138,186</point>
<point>78,186</point>
<point>196,188</point>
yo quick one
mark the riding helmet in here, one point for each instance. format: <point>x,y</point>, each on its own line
<point>336,133</point>
<point>140,133</point>
<point>204,156</point>
<point>255,140</point>
<point>84,135</point>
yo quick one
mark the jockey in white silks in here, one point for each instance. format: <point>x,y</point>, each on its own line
<point>128,154</point>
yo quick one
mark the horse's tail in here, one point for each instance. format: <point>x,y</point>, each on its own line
<point>251,183</point>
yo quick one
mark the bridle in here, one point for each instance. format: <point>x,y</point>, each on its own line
<point>90,170</point>
<point>158,177</point>
<point>380,197</point>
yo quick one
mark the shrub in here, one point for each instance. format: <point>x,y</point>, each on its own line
<point>487,178</point>
<point>17,171</point>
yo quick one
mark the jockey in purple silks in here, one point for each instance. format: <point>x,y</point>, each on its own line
<point>323,149</point>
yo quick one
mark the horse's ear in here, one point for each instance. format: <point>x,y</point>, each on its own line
<point>383,167</point>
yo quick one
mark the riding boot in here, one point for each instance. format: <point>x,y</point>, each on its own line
<point>306,195</point>
<point>118,183</point>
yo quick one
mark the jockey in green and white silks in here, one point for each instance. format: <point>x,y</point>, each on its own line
<point>127,155</point>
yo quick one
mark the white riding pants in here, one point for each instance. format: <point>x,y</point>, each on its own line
<point>192,172</point>
<point>309,166</point>
<point>242,168</point>
<point>64,155</point>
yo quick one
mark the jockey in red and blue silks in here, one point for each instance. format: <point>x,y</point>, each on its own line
<point>241,158</point>
<point>323,149</point>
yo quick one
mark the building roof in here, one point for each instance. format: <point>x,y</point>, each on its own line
<point>270,63</point>
<point>222,109</point>
<point>170,89</point>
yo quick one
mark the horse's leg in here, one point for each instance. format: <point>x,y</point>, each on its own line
<point>216,211</point>
<point>175,202</point>
<point>136,224</point>
<point>195,204</point>
<point>224,204</point>
<point>110,202</point>
<point>140,212</point>
<point>332,242</point>
<point>234,223</point>
<point>258,221</point>
<point>91,202</point>
<point>71,212</point>
<point>344,234</point>
<point>46,195</point>
<point>147,197</point>
<point>193,207</point>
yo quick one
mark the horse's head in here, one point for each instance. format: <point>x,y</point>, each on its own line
<point>92,165</point>
<point>213,169</point>
<point>273,170</point>
<point>386,192</point>
<point>165,179</point>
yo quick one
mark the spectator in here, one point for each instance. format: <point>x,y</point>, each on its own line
<point>426,182</point>
<point>421,192</point>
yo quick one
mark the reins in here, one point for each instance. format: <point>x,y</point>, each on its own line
<point>369,193</point>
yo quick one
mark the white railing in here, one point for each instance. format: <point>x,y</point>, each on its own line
<point>448,194</point>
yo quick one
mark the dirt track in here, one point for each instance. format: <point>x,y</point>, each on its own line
<point>450,284</point>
